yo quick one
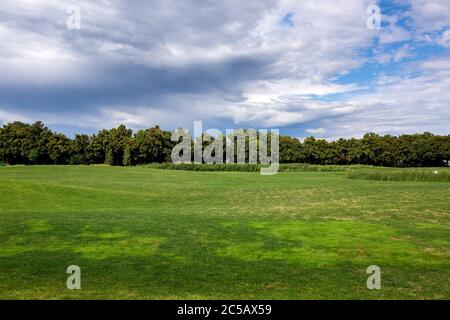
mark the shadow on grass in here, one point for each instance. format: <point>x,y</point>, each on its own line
<point>163,257</point>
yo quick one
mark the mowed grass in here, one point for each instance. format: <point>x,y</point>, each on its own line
<point>143,233</point>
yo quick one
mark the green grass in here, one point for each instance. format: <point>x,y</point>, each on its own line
<point>144,233</point>
<point>395,174</point>
<point>284,167</point>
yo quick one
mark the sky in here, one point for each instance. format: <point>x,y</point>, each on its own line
<point>304,67</point>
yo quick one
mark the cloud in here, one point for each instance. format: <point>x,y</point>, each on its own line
<point>271,63</point>
<point>316,131</point>
<point>430,15</point>
<point>396,55</point>
<point>398,105</point>
<point>393,32</point>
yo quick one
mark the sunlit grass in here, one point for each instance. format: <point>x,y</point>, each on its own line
<point>160,234</point>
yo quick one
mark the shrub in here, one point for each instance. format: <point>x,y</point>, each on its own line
<point>291,167</point>
<point>425,175</point>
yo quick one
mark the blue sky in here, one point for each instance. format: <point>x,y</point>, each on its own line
<point>304,67</point>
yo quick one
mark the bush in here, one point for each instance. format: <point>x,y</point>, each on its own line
<point>425,175</point>
<point>206,167</point>
<point>291,167</point>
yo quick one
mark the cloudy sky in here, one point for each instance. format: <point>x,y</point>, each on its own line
<point>306,67</point>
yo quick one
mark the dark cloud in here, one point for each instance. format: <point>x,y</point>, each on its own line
<point>231,63</point>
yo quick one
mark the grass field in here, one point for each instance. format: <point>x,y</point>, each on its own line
<point>145,233</point>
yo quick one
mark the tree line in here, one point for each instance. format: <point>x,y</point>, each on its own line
<point>22,143</point>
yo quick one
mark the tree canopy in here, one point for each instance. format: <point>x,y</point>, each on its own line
<point>22,143</point>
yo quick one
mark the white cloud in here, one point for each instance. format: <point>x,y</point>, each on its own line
<point>316,131</point>
<point>405,51</point>
<point>430,15</point>
<point>400,105</point>
<point>6,116</point>
<point>392,33</point>
<point>444,39</point>
<point>170,63</point>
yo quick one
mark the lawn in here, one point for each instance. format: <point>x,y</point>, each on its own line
<point>144,233</point>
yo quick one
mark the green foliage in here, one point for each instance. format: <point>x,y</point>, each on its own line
<point>59,148</point>
<point>287,167</point>
<point>128,153</point>
<point>115,141</point>
<point>22,143</point>
<point>205,167</point>
<point>410,174</point>
<point>153,145</point>
<point>109,156</point>
<point>80,153</point>
<point>290,149</point>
